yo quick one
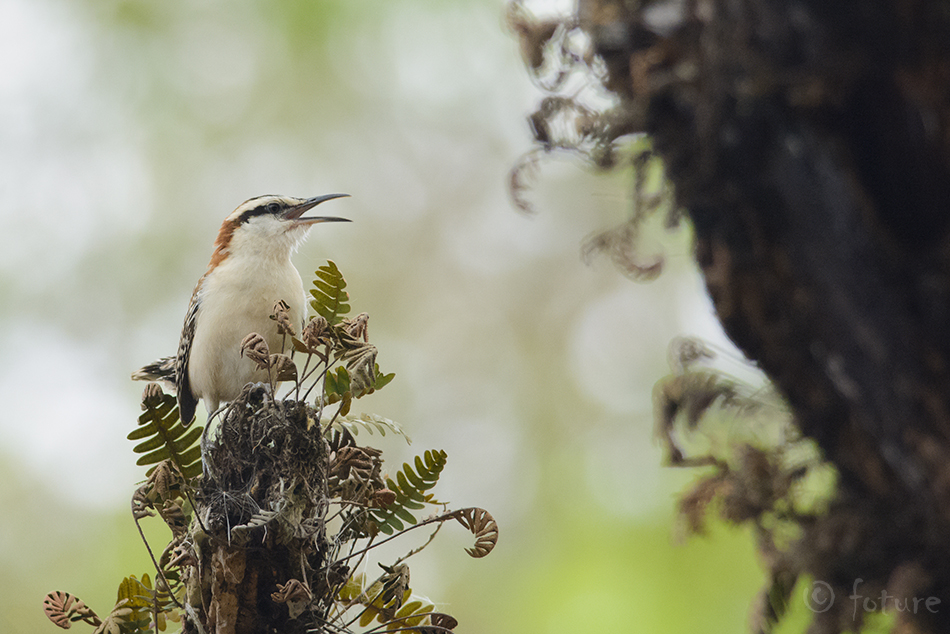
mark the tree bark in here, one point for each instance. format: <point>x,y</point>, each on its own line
<point>809,143</point>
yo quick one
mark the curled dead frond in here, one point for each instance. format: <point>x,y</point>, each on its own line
<point>651,198</point>
<point>255,348</point>
<point>166,480</point>
<point>178,554</point>
<point>363,463</point>
<point>735,413</point>
<point>383,498</point>
<point>620,245</point>
<point>521,178</point>
<point>533,34</point>
<point>64,609</point>
<point>293,590</point>
<point>483,526</point>
<point>759,471</point>
<point>174,516</point>
<point>141,505</point>
<point>357,328</point>
<point>151,396</point>
<point>361,364</point>
<point>281,314</point>
<point>284,367</point>
<point>394,585</point>
<point>315,333</point>
<point>439,623</point>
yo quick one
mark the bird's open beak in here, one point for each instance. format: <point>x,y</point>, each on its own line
<point>295,213</point>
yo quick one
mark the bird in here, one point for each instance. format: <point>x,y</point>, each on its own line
<point>249,272</point>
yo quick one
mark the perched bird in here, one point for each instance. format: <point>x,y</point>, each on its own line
<point>250,271</point>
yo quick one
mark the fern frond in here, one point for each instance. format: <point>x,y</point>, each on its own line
<point>351,588</point>
<point>372,381</point>
<point>137,596</point>
<point>166,438</point>
<point>361,364</point>
<point>338,383</point>
<point>258,519</point>
<point>396,614</point>
<point>483,526</point>
<point>369,422</point>
<point>64,609</point>
<point>415,611</point>
<point>118,621</point>
<point>330,299</point>
<point>149,607</point>
<point>410,488</point>
<point>376,607</point>
<point>386,595</point>
<point>388,600</point>
<point>382,379</point>
<point>440,622</point>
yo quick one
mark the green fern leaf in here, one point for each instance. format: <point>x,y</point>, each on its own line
<point>410,487</point>
<point>413,612</point>
<point>379,380</point>
<point>166,438</point>
<point>411,492</point>
<point>336,384</point>
<point>134,598</point>
<point>382,379</point>
<point>393,525</point>
<point>330,299</point>
<point>369,422</point>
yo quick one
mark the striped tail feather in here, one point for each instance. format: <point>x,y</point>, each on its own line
<point>162,370</point>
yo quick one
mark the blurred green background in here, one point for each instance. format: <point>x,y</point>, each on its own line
<point>130,129</point>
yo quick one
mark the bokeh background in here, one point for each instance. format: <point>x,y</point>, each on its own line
<point>130,128</point>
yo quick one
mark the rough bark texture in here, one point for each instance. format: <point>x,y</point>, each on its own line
<point>809,143</point>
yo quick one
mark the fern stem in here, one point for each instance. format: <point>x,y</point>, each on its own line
<point>416,551</point>
<point>431,520</point>
<point>322,374</point>
<point>158,568</point>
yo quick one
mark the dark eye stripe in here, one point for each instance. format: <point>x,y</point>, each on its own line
<point>271,208</point>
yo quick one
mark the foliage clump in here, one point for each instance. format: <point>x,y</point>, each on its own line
<point>274,514</point>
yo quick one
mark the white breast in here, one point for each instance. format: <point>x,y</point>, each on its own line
<point>237,298</point>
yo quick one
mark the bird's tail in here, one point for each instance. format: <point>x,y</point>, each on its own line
<point>162,370</point>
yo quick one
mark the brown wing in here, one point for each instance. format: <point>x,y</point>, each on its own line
<point>187,402</point>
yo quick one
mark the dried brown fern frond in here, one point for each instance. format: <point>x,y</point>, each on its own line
<point>759,470</point>
<point>483,526</point>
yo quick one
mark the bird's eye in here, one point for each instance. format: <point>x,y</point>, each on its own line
<point>273,208</point>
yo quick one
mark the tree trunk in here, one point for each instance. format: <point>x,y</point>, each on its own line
<point>809,143</point>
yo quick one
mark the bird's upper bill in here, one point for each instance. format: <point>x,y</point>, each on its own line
<point>295,212</point>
